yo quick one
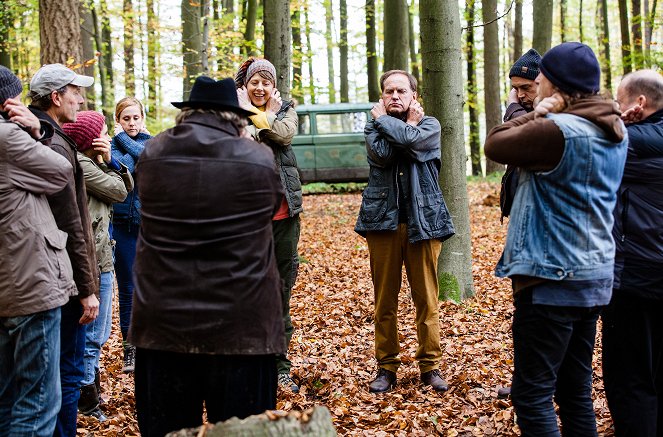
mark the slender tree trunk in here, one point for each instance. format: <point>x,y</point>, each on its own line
<point>396,41</point>
<point>106,92</point>
<point>518,31</point>
<point>491,71</point>
<point>443,99</point>
<point>228,6</point>
<point>129,74</point>
<point>412,41</point>
<point>6,23</point>
<point>153,76</point>
<point>297,55</point>
<point>59,32</point>
<point>562,20</point>
<point>329,17</point>
<point>250,30</point>
<point>205,43</point>
<point>343,51</point>
<point>636,29</point>
<point>276,20</point>
<point>580,27</point>
<point>309,55</point>
<point>626,37</point>
<point>472,93</point>
<point>107,52</point>
<point>604,45</point>
<point>542,16</point>
<point>191,44</point>
<point>371,53</point>
<point>87,49</point>
<point>649,31</point>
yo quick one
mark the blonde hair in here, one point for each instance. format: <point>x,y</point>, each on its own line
<point>125,103</point>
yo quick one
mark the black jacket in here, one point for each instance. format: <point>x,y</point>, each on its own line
<point>205,273</point>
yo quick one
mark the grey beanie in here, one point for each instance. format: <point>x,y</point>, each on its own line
<point>10,85</point>
<point>260,65</point>
<point>527,66</point>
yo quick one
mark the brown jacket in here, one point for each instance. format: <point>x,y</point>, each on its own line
<point>35,271</point>
<point>69,207</point>
<point>205,272</point>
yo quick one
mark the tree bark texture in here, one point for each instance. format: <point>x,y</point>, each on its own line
<point>87,49</point>
<point>442,72</point>
<point>636,30</point>
<point>59,32</point>
<point>543,17</point>
<point>562,19</point>
<point>626,37</point>
<point>491,73</point>
<point>604,52</point>
<point>518,31</point>
<point>329,29</point>
<point>371,53</point>
<point>472,92</point>
<point>250,30</point>
<point>191,44</point>
<point>278,45</point>
<point>396,41</point>
<point>343,50</point>
<point>129,26</point>
<point>297,55</point>
<point>153,48</point>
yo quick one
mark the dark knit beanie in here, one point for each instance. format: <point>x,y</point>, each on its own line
<point>527,65</point>
<point>10,85</point>
<point>572,67</point>
<point>87,127</point>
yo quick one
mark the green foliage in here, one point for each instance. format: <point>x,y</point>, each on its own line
<point>449,288</point>
<point>495,177</point>
<point>323,188</point>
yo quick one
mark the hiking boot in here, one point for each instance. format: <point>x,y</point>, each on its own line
<point>383,382</point>
<point>97,414</point>
<point>97,384</point>
<point>129,359</point>
<point>286,382</point>
<point>434,379</point>
<point>504,392</point>
<point>89,399</point>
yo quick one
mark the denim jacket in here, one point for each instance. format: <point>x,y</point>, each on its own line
<point>561,220</point>
<point>412,153</point>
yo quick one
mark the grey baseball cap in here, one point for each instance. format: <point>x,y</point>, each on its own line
<point>52,77</point>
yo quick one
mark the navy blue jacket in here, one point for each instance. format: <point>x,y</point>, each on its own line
<point>638,229</point>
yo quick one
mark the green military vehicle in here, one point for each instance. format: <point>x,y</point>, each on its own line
<point>330,142</point>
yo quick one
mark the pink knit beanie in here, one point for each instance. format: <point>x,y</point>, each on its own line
<point>87,127</point>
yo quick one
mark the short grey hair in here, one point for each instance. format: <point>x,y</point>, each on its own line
<point>230,116</point>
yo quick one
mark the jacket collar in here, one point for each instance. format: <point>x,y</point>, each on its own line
<point>209,120</point>
<point>43,116</point>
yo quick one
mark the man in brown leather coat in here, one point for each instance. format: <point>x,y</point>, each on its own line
<point>207,319</point>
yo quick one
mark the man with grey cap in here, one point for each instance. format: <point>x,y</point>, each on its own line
<point>35,272</point>
<point>56,98</point>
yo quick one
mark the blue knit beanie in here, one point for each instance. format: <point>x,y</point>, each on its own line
<point>527,66</point>
<point>10,85</point>
<point>573,68</point>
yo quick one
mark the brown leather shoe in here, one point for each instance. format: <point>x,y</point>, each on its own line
<point>434,379</point>
<point>503,392</point>
<point>383,382</point>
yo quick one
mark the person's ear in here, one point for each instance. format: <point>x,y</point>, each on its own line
<point>642,101</point>
<point>56,98</point>
<point>415,95</point>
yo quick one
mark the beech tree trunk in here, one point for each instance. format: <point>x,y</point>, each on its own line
<point>297,55</point>
<point>543,17</point>
<point>278,45</point>
<point>626,37</point>
<point>331,77</point>
<point>443,99</point>
<point>129,74</point>
<point>491,73</point>
<point>309,55</point>
<point>250,30</point>
<point>371,53</point>
<point>153,48</point>
<point>518,31</point>
<point>412,41</point>
<point>6,23</point>
<point>472,93</point>
<point>604,52</point>
<point>59,32</point>
<point>87,49</point>
<point>562,20</point>
<point>191,44</point>
<point>396,41</point>
<point>636,29</point>
<point>343,50</point>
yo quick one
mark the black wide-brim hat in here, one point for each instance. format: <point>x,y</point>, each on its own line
<point>208,93</point>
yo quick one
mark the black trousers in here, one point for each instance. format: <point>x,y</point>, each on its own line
<point>632,369</point>
<point>171,388</point>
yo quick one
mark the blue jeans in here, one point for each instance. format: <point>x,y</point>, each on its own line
<point>553,348</point>
<point>72,342</point>
<point>29,374</point>
<point>125,236</point>
<point>98,332</point>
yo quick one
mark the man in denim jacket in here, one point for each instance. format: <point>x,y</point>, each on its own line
<point>404,219</point>
<point>559,249</point>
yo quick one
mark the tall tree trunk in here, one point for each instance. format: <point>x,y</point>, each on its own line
<point>581,36</point>
<point>297,55</point>
<point>443,99</point>
<point>414,63</point>
<point>542,16</point>
<point>59,32</point>
<point>276,20</point>
<point>129,74</point>
<point>396,41</point>
<point>87,49</point>
<point>606,65</point>
<point>309,55</point>
<point>205,43</point>
<point>343,50</point>
<point>626,37</point>
<point>636,29</point>
<point>6,23</point>
<point>491,71</point>
<point>106,91</point>
<point>153,48</point>
<point>518,31</point>
<point>371,53</point>
<point>250,30</point>
<point>472,93</point>
<point>228,6</point>
<point>107,52</point>
<point>649,31</point>
<point>191,44</point>
<point>562,20</point>
<point>329,17</point>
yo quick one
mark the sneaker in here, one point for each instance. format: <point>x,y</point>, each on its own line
<point>504,392</point>
<point>97,414</point>
<point>434,379</point>
<point>383,382</point>
<point>129,359</point>
<point>286,382</point>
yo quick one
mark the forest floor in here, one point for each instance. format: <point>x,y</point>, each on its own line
<point>332,348</point>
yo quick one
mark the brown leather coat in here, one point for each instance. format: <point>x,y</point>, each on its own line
<point>205,273</point>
